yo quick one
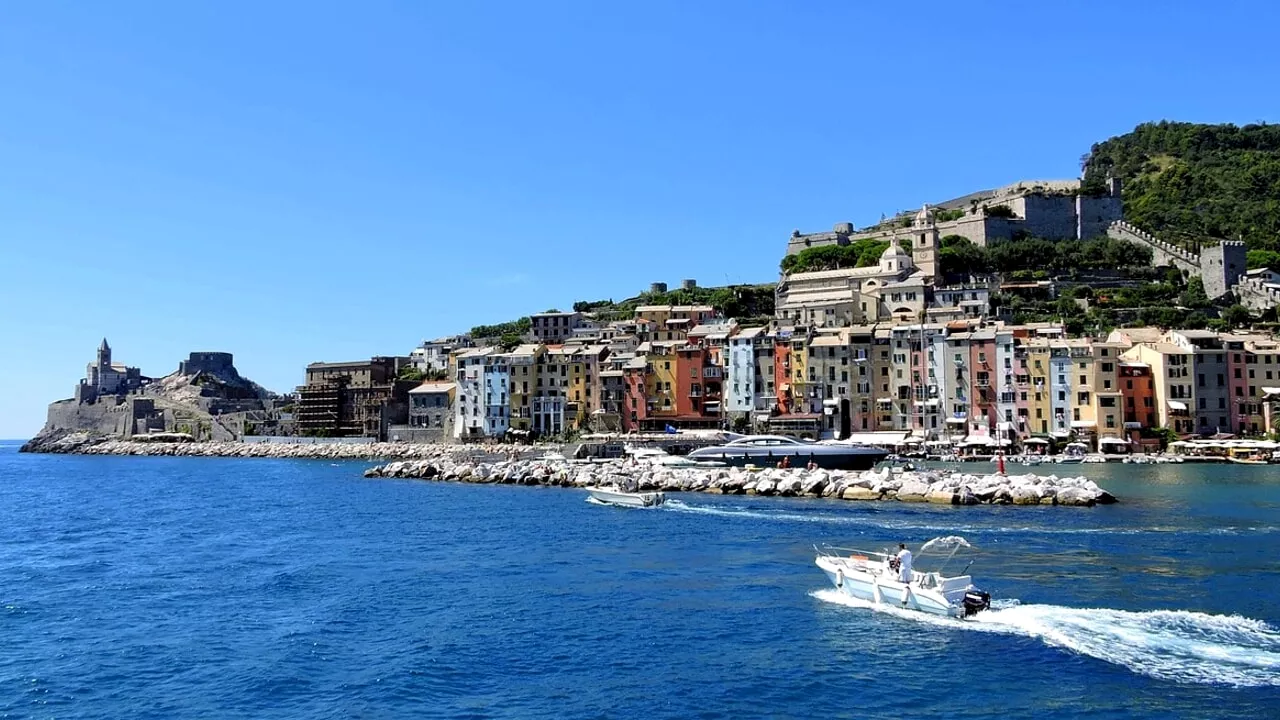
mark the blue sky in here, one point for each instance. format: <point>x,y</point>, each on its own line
<point>294,181</point>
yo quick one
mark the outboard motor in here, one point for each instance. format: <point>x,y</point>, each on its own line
<point>975,601</point>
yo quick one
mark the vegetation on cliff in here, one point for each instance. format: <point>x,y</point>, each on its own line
<point>1188,182</point>
<point>861,253</point>
<point>958,256</point>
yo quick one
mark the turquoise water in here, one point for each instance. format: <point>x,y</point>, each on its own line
<point>169,587</point>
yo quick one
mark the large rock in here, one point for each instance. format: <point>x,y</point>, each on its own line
<point>857,492</point>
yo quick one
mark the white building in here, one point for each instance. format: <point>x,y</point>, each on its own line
<point>740,371</point>
<point>469,403</point>
<point>433,355</point>
<point>497,379</point>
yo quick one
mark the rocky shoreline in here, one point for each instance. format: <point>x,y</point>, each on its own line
<point>939,487</point>
<point>86,444</point>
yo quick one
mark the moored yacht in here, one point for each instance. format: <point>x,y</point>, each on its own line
<point>768,450</point>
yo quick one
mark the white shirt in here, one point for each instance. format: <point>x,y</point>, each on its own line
<point>904,571</point>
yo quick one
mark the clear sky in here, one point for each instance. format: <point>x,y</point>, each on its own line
<point>303,181</point>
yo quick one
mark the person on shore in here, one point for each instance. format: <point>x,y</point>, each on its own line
<point>904,563</point>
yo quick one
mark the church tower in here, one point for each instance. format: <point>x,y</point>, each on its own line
<point>924,243</point>
<point>103,366</point>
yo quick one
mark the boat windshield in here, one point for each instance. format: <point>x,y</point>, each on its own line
<point>936,554</point>
<point>763,441</point>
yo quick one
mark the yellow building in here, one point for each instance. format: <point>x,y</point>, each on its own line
<point>523,365</point>
<point>660,384</point>
<point>1039,373</point>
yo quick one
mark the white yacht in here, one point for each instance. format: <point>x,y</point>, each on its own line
<point>874,577</point>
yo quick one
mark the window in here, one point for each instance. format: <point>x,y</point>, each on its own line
<point>1075,414</point>
<point>1083,380</point>
<point>1082,398</point>
<point>1062,396</point>
<point>1222,403</point>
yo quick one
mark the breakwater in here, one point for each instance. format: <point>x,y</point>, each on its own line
<point>931,486</point>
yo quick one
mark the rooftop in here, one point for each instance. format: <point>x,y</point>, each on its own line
<point>432,387</point>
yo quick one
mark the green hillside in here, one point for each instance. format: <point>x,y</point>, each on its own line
<point>1192,183</point>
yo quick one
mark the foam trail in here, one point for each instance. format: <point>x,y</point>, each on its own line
<point>880,522</point>
<point>1177,645</point>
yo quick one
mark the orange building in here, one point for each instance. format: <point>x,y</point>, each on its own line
<point>698,388</point>
<point>1137,394</point>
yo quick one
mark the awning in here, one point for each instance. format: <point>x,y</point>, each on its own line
<point>1035,441</point>
<point>1061,433</point>
<point>1083,424</point>
<point>931,403</point>
<point>1133,426</point>
<point>1112,441</point>
<point>1175,405</point>
<point>884,438</point>
<point>1004,426</point>
<point>955,421</point>
<point>712,405</point>
<point>884,401</point>
<point>978,440</point>
<point>831,402</point>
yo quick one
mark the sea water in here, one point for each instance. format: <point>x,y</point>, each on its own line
<point>188,587</point>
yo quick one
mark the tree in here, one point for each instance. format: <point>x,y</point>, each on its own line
<point>509,341</point>
<point>411,373</point>
<point>1263,259</point>
<point>1236,316</point>
<point>1194,296</point>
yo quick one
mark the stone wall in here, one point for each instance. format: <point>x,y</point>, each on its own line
<point>1094,215</point>
<point>1256,296</point>
<point>1163,253</point>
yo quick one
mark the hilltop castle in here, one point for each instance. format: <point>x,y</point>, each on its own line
<point>1050,209</point>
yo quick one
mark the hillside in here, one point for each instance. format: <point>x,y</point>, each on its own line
<point>1191,183</point>
<point>745,302</point>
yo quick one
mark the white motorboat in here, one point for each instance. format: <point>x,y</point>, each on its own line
<point>658,456</point>
<point>614,495</point>
<point>874,577</point>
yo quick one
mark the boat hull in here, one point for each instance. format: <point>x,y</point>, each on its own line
<point>627,499</point>
<point>824,457</point>
<point>883,591</point>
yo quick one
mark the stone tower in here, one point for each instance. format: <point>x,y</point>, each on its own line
<point>104,355</point>
<point>924,243</point>
<point>1221,267</point>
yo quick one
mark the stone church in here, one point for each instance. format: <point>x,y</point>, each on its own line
<point>893,289</point>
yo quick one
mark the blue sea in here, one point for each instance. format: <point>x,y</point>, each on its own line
<point>176,587</point>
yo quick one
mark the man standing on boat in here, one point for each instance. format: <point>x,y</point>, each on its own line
<point>904,563</point>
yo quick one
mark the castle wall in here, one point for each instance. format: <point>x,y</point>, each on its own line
<point>1049,216</point>
<point>210,362</point>
<point>1163,253</point>
<point>1095,214</point>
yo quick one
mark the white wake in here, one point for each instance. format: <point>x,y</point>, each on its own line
<point>1177,645</point>
<point>882,521</point>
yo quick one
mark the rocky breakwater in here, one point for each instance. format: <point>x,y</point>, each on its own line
<point>940,487</point>
<point>87,444</point>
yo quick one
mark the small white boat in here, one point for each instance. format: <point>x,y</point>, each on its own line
<point>622,498</point>
<point>658,456</point>
<point>873,577</point>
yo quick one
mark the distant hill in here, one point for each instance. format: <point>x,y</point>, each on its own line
<point>1189,183</point>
